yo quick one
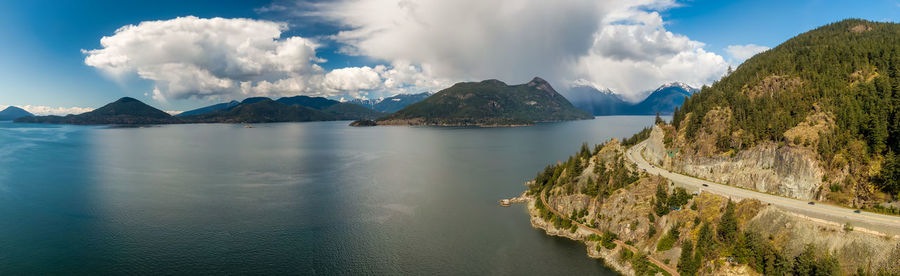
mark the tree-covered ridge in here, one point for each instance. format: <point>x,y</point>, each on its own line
<point>12,113</point>
<point>489,102</point>
<point>261,111</point>
<point>608,172</point>
<point>846,74</point>
<point>125,111</point>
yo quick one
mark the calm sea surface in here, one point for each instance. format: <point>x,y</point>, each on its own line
<point>291,198</point>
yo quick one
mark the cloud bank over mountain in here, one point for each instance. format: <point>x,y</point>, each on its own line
<point>48,110</point>
<point>421,46</point>
<point>190,57</point>
<point>622,45</point>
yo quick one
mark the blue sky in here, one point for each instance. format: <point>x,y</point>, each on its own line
<point>42,63</point>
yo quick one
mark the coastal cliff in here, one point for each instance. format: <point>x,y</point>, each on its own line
<point>641,224</point>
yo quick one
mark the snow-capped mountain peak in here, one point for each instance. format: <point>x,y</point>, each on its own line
<point>587,83</point>
<point>681,85</point>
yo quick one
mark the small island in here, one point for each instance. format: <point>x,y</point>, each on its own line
<point>363,123</point>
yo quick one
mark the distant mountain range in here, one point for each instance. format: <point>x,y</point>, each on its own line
<point>342,111</point>
<point>331,108</point>
<point>260,110</point>
<point>12,113</point>
<point>488,103</point>
<point>663,100</point>
<point>211,108</point>
<point>485,103</point>
<point>130,111</point>
<point>392,104</point>
<point>125,111</point>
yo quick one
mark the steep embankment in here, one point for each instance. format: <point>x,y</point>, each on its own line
<point>783,170</point>
<point>632,220</point>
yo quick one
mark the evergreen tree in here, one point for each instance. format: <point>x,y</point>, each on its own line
<point>828,266</point>
<point>585,152</point>
<point>686,261</point>
<point>661,199</point>
<point>705,240</point>
<point>805,263</point>
<point>890,175</point>
<point>728,224</point>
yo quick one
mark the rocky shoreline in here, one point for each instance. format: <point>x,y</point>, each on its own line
<point>607,256</point>
<point>630,215</point>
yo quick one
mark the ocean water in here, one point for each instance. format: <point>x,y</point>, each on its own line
<point>317,198</point>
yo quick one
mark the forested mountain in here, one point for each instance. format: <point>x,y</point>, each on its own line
<point>129,111</point>
<point>341,111</point>
<point>12,113</point>
<point>125,111</point>
<point>489,103</point>
<point>211,108</point>
<point>262,110</point>
<point>663,100</point>
<point>338,110</point>
<point>835,90</point>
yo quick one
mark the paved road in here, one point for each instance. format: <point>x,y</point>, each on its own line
<point>881,223</point>
<point>671,270</point>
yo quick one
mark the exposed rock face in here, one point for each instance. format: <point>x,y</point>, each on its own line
<point>793,234</point>
<point>788,170</point>
<point>787,232</point>
<point>792,170</point>
<point>655,152</point>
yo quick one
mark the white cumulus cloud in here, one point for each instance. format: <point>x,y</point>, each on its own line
<point>424,45</point>
<point>619,44</point>
<point>48,110</point>
<point>353,78</point>
<point>634,53</point>
<point>191,57</point>
<point>198,57</point>
<point>742,52</point>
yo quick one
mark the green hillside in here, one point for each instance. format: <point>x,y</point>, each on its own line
<point>489,103</point>
<point>262,111</point>
<point>125,111</point>
<point>835,89</point>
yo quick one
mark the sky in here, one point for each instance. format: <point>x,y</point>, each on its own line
<point>60,57</point>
